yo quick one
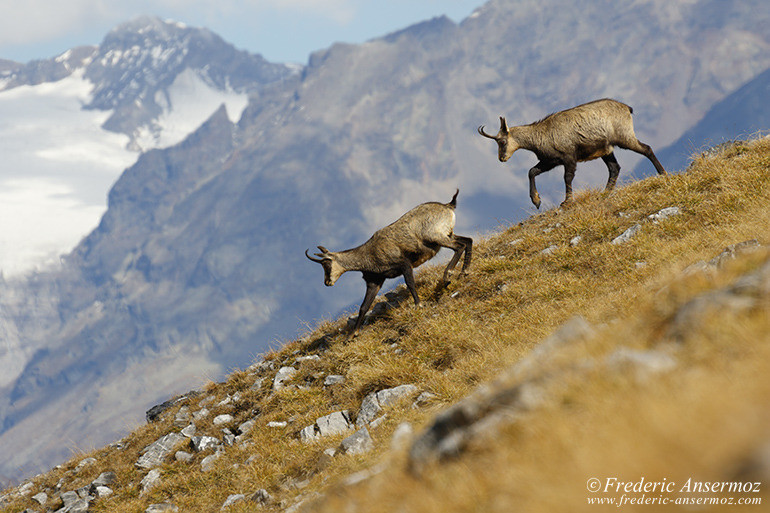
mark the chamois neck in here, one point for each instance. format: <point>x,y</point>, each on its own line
<point>354,259</point>
<point>523,135</point>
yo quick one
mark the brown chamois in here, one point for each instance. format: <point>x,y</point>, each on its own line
<point>582,133</point>
<point>397,249</point>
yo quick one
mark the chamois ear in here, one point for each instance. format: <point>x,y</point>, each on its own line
<point>503,125</point>
<point>323,249</point>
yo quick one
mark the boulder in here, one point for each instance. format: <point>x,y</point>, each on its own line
<point>154,454</point>
<point>374,402</point>
<point>357,443</point>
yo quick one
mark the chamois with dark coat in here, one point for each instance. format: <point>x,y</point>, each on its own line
<point>579,134</point>
<point>397,249</point>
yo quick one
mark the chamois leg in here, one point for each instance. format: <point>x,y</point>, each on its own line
<point>461,245</point>
<point>569,175</point>
<point>643,149</point>
<point>373,286</point>
<point>409,280</point>
<point>614,168</point>
<point>539,168</point>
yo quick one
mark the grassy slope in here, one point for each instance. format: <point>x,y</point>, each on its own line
<point>703,420</point>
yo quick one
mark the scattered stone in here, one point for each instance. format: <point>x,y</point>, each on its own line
<point>204,443</point>
<point>374,402</point>
<point>224,402</point>
<point>84,463</point>
<point>333,379</point>
<point>257,383</point>
<point>574,241</point>
<point>664,213</point>
<point>357,443</point>
<point>640,265</point>
<point>424,399</point>
<point>233,499</point>
<point>103,491</point>
<point>183,456</point>
<point>182,417</point>
<point>308,358</point>
<point>283,374</point>
<point>154,454</point>
<point>69,498</point>
<point>223,419</point>
<point>156,411</point>
<point>151,479</point>
<point>189,431</point>
<point>209,461</point>
<point>549,250</point>
<point>104,479</point>
<point>334,423</point>
<point>41,498</point>
<point>627,235</point>
<point>163,507</point>
<point>277,424</point>
<point>247,426</point>
<point>261,497</point>
<point>515,242</point>
<point>200,414</point>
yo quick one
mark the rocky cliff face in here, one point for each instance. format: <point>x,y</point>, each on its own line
<point>198,263</point>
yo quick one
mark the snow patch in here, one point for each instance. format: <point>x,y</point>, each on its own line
<point>188,103</point>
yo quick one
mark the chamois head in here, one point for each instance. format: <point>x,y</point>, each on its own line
<point>505,144</point>
<point>332,268</point>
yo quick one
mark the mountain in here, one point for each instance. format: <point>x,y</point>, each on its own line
<point>198,263</point>
<point>574,365</point>
<point>742,113</point>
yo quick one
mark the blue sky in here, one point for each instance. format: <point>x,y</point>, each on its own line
<point>280,30</point>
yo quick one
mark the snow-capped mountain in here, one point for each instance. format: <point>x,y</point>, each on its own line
<point>71,124</point>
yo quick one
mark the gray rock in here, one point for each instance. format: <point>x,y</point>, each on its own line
<point>374,402</point>
<point>154,454</point>
<point>189,431</point>
<point>84,463</point>
<point>208,462</point>
<point>309,434</point>
<point>183,416</point>
<point>204,443</point>
<point>277,424</point>
<point>41,498</point>
<point>357,443</point>
<point>69,498</point>
<point>27,488</point>
<point>223,419</point>
<point>627,235</point>
<point>103,491</point>
<point>104,479</point>
<point>333,379</point>
<point>183,456</point>
<point>163,507</point>
<point>664,213</point>
<point>574,241</point>
<point>246,426</point>
<point>200,414</point>
<point>424,399</point>
<point>334,423</point>
<point>150,480</point>
<point>233,499</point>
<point>261,497</point>
<point>549,250</point>
<point>283,374</point>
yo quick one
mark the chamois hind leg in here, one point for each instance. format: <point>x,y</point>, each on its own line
<point>461,245</point>
<point>643,149</point>
<point>373,286</point>
<point>614,168</point>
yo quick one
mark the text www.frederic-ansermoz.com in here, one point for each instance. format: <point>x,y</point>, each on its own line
<point>612,491</point>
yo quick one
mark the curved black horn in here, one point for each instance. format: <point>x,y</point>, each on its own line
<point>482,132</point>
<point>316,260</point>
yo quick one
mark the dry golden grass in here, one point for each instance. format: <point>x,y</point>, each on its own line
<point>702,420</point>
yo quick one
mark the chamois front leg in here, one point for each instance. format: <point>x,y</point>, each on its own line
<point>569,174</point>
<point>614,169</point>
<point>539,168</point>
<point>373,286</point>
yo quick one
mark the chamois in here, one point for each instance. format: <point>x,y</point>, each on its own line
<point>397,249</point>
<point>582,133</point>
